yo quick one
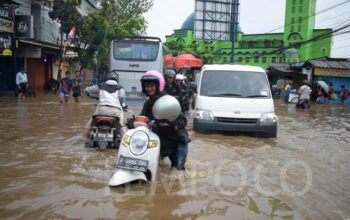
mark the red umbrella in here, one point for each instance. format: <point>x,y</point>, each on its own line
<point>187,60</point>
<point>168,61</point>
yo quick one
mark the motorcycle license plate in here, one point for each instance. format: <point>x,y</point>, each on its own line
<point>132,164</point>
<point>103,137</point>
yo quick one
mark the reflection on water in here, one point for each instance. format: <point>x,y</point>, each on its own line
<point>302,174</point>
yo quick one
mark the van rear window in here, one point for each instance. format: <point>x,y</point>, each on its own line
<point>234,84</point>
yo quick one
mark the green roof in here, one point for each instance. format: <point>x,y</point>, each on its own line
<point>189,22</point>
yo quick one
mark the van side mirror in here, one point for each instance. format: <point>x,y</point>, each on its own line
<point>193,86</point>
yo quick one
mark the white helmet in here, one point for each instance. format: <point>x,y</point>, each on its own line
<point>180,77</point>
<point>166,108</point>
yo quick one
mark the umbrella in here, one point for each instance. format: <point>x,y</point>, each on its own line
<point>187,60</point>
<point>169,61</point>
<point>323,85</point>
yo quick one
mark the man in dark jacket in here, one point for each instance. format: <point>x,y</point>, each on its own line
<point>171,87</point>
<point>173,135</point>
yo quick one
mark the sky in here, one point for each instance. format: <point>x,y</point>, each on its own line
<point>256,16</point>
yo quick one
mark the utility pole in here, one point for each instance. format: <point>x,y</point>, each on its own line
<point>234,26</point>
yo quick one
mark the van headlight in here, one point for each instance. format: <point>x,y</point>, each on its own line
<point>204,115</point>
<point>138,143</point>
<point>268,118</point>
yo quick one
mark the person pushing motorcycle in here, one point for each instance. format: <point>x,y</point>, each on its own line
<point>111,101</point>
<point>173,135</point>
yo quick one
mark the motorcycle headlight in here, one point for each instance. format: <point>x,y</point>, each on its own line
<point>204,114</point>
<point>268,118</point>
<point>138,143</point>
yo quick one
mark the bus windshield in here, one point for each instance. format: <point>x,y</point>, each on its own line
<point>135,50</point>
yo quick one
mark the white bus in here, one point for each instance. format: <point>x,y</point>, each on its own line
<point>132,56</point>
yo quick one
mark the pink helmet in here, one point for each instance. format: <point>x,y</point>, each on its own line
<point>153,76</point>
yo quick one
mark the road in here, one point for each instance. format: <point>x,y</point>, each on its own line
<point>46,172</point>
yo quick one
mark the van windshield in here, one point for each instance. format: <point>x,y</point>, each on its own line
<point>234,84</point>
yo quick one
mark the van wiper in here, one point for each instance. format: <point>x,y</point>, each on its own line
<point>256,96</point>
<point>226,94</point>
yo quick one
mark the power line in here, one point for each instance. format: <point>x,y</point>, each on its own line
<point>314,39</point>
<point>317,13</point>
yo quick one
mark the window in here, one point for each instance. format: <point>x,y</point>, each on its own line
<point>274,59</point>
<point>216,83</point>
<point>294,1</point>
<point>247,59</point>
<point>256,59</point>
<point>301,2</point>
<point>128,50</point>
<point>240,59</point>
<point>300,8</point>
<point>300,19</point>
<point>299,28</point>
<point>292,28</point>
<point>251,44</point>
<point>268,43</point>
<point>264,59</point>
<point>293,9</point>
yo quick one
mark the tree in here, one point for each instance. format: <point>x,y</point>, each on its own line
<point>96,30</point>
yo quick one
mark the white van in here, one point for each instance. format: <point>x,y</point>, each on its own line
<point>234,98</point>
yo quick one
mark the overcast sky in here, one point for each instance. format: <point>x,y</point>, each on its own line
<point>256,16</point>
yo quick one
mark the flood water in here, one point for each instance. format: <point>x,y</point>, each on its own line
<point>47,173</point>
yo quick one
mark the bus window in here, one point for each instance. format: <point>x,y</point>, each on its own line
<point>135,50</point>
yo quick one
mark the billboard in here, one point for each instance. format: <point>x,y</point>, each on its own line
<point>213,19</point>
<point>24,26</point>
<point>6,20</point>
<point>5,44</point>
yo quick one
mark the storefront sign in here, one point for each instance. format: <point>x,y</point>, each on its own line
<point>5,45</point>
<point>24,26</point>
<point>6,20</point>
<point>30,52</point>
<point>332,72</point>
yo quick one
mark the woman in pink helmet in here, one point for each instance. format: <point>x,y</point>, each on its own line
<point>173,135</point>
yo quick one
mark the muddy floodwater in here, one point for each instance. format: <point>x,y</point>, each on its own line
<point>46,173</point>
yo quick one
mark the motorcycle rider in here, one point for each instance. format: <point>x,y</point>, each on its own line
<point>185,90</point>
<point>173,135</point>
<point>111,101</point>
<point>171,87</point>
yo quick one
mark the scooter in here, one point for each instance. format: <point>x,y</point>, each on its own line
<point>139,149</point>
<point>105,132</point>
<point>138,155</point>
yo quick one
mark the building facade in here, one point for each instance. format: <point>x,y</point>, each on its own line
<point>300,40</point>
<point>38,51</point>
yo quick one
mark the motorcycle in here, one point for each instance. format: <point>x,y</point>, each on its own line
<point>138,155</point>
<point>105,132</point>
<point>139,149</point>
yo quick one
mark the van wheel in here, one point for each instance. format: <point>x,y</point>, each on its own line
<point>198,130</point>
<point>272,133</point>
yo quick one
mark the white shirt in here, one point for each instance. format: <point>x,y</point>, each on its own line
<point>305,92</point>
<point>21,78</point>
<point>106,98</point>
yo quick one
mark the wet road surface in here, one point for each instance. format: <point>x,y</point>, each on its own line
<point>47,173</point>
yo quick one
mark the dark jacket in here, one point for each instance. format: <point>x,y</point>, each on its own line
<point>170,136</point>
<point>185,90</point>
<point>173,89</point>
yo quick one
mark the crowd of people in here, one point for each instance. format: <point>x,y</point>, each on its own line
<point>325,93</point>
